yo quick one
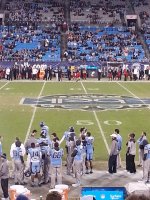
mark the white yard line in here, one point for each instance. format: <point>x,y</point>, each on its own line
<point>4,85</point>
<point>33,114</point>
<point>98,123</point>
<point>132,94</point>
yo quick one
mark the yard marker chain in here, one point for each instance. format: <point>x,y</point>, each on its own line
<point>33,114</point>
<point>98,123</point>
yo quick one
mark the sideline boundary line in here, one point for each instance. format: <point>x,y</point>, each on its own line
<point>98,123</point>
<point>4,85</point>
<point>33,114</point>
<point>132,94</point>
<point>89,80</point>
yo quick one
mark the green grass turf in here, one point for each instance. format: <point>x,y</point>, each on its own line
<point>15,118</point>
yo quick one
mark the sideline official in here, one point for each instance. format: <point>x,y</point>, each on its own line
<point>131,152</point>
<point>112,162</point>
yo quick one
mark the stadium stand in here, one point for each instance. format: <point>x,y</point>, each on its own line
<point>97,12</point>
<point>29,44</point>
<point>74,31</point>
<point>104,44</point>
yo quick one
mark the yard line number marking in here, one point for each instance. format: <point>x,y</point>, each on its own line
<point>84,122</point>
<point>98,123</point>
<point>91,89</point>
<point>33,114</point>
<point>112,122</point>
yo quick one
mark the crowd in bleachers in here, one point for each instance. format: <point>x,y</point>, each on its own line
<point>26,38</point>
<point>97,11</point>
<point>35,11</point>
<point>29,44</point>
<point>104,44</point>
<point>141,8</point>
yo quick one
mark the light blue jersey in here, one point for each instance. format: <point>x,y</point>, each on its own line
<point>79,150</point>
<point>141,140</point>
<point>83,143</point>
<point>89,147</point>
<point>119,140</point>
<point>67,135</point>
<point>147,151</point>
<point>35,154</point>
<point>45,144</point>
<point>89,144</point>
<point>35,160</point>
<point>56,157</point>
<point>46,130</point>
<point>17,152</point>
<point>1,148</point>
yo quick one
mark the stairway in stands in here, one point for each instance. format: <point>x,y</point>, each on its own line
<point>64,33</point>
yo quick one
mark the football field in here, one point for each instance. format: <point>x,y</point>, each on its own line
<point>99,106</point>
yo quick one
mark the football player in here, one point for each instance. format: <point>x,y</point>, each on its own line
<point>44,128</point>
<point>89,152</point>
<point>45,145</point>
<point>35,163</point>
<point>56,155</point>
<point>17,156</point>
<point>77,163</point>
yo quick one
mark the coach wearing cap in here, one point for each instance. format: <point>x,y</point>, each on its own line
<point>112,162</point>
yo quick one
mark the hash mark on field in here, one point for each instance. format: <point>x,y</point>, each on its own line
<point>7,88</point>
<point>98,123</point>
<point>33,114</point>
<point>76,89</point>
<point>93,89</point>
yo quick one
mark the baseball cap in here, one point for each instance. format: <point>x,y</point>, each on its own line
<point>113,135</point>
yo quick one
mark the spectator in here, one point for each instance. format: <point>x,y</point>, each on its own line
<point>22,197</point>
<point>137,197</point>
<point>54,195</point>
